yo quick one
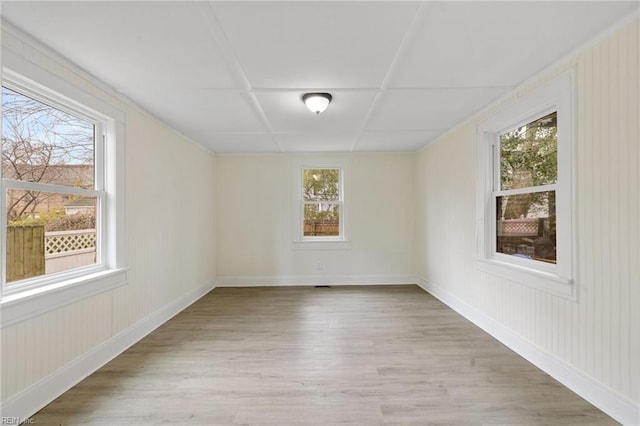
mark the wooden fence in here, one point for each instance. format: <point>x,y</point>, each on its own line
<point>321,229</point>
<point>25,252</point>
<point>31,252</point>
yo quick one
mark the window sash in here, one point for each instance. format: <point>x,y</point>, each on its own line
<point>508,258</point>
<point>336,169</point>
<point>339,202</point>
<point>16,83</point>
<point>525,190</point>
<point>46,279</point>
<point>320,237</point>
<point>46,96</point>
<point>499,192</point>
<point>307,202</point>
<point>50,187</point>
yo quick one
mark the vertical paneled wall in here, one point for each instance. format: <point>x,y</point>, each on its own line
<point>170,218</point>
<point>35,348</point>
<point>598,334</point>
<point>255,208</point>
<point>609,221</point>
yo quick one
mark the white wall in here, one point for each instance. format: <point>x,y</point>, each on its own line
<point>170,215</point>
<point>598,336</point>
<point>409,213</point>
<point>255,231</point>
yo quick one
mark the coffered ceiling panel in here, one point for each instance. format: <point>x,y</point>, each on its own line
<point>203,110</point>
<point>427,109</point>
<point>129,44</point>
<point>478,44</point>
<point>287,113</point>
<point>230,75</point>
<point>315,44</point>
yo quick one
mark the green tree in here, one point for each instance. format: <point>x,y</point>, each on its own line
<point>529,158</point>
<point>321,186</point>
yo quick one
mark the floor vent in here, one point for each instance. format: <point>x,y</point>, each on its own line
<point>322,286</point>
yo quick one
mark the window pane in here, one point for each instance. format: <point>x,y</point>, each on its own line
<point>527,225</point>
<point>43,144</point>
<point>48,232</point>
<point>321,184</point>
<point>322,219</point>
<point>529,154</point>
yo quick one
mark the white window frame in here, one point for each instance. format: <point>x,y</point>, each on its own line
<point>558,279</point>
<point>30,297</point>
<point>300,241</point>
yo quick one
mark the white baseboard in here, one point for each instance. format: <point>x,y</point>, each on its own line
<point>309,280</point>
<point>29,401</point>
<point>616,405</point>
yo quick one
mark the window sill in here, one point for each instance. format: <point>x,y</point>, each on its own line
<point>21,306</point>
<point>539,279</point>
<point>321,245</point>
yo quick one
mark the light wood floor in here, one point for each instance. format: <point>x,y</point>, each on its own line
<point>342,355</point>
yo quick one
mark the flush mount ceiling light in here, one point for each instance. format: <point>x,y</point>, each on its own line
<point>316,102</point>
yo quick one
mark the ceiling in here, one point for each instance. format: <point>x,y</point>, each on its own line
<point>230,75</point>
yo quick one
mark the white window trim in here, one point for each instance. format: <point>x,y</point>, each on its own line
<point>321,243</point>
<point>38,295</point>
<point>559,279</point>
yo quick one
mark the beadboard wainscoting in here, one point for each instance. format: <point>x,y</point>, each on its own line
<point>196,220</point>
<point>618,406</point>
<point>169,249</point>
<point>37,395</point>
<point>591,343</point>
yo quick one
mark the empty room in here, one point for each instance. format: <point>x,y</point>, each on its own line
<point>317,212</point>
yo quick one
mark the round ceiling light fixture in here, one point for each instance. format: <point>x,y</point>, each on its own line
<point>317,102</point>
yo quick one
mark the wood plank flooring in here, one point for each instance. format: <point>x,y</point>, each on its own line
<point>365,355</point>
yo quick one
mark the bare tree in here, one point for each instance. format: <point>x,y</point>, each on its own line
<point>42,144</point>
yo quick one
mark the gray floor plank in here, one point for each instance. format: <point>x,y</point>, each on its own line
<point>361,355</point>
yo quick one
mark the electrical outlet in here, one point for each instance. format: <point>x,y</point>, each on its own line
<point>319,266</point>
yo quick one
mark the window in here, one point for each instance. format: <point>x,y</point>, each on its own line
<point>319,206</point>
<point>525,190</point>
<point>62,195</point>
<point>321,202</point>
<point>53,191</point>
<point>525,207</point>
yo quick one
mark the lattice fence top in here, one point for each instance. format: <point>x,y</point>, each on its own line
<point>518,227</point>
<point>66,241</point>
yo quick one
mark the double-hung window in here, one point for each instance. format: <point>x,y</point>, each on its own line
<point>320,211</point>
<point>62,195</point>
<point>321,202</point>
<point>524,190</point>
<point>525,208</point>
<point>54,187</point>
